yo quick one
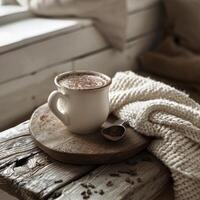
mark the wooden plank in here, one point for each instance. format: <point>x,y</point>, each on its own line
<point>28,173</point>
<point>16,143</point>
<point>36,30</point>
<point>20,97</point>
<point>67,46</point>
<point>54,50</point>
<point>143,177</point>
<point>110,61</point>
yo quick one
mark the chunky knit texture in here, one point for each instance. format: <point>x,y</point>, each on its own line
<point>171,117</point>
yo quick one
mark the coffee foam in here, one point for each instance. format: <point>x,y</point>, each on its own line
<point>83,81</point>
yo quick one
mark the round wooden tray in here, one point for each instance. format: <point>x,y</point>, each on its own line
<point>58,142</point>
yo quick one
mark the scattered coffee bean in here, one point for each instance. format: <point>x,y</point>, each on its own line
<point>89,192</point>
<point>58,181</point>
<point>91,185</point>
<point>109,183</point>
<point>83,193</point>
<point>84,185</point>
<point>95,191</point>
<point>114,174</point>
<point>101,192</point>
<point>128,180</point>
<point>86,197</point>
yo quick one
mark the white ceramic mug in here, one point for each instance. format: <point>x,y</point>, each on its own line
<point>81,110</point>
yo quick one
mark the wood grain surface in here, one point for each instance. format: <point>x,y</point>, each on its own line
<point>26,171</point>
<point>29,174</point>
<point>52,136</point>
<point>139,178</point>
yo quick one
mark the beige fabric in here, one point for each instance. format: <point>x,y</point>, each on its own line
<point>173,61</point>
<point>110,16</point>
<point>178,55</point>
<point>171,118</point>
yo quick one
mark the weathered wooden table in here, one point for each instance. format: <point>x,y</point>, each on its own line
<point>27,173</point>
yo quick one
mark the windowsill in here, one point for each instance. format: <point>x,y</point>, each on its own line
<point>34,29</point>
<point>29,29</point>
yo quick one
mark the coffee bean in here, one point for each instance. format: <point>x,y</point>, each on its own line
<point>109,183</point>
<point>84,185</point>
<point>91,185</point>
<point>128,180</point>
<point>83,193</point>
<point>86,197</point>
<point>89,192</point>
<point>101,192</point>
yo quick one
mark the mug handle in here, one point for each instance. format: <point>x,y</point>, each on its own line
<point>52,103</point>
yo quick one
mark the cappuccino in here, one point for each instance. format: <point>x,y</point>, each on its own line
<point>82,81</point>
<point>81,100</point>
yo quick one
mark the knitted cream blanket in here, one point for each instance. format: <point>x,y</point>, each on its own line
<point>171,117</point>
